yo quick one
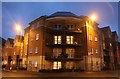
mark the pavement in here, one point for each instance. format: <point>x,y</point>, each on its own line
<point>67,75</point>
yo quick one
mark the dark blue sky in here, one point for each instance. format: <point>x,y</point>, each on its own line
<point>23,13</point>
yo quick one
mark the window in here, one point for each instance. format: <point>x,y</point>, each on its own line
<point>90,37</point>
<point>30,63</point>
<point>70,27</point>
<point>57,65</point>
<point>57,27</point>
<point>69,65</point>
<point>96,51</point>
<point>36,50</point>
<point>30,50</point>
<point>36,64</point>
<point>57,52</point>
<point>70,52</point>
<point>32,38</point>
<point>69,39</point>
<point>103,45</point>
<point>91,50</point>
<point>37,36</point>
<point>57,39</point>
<point>110,44</point>
<point>96,38</point>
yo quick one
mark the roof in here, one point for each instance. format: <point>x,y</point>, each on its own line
<point>11,40</point>
<point>106,28</point>
<point>65,14</point>
<point>2,40</point>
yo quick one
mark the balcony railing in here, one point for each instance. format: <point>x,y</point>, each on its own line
<point>75,43</point>
<point>63,30</point>
<point>63,57</point>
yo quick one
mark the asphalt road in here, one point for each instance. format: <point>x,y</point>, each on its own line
<point>64,75</point>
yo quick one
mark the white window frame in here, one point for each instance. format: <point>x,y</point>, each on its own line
<point>36,50</point>
<point>37,36</point>
<point>96,51</point>
<point>35,64</point>
<point>96,38</point>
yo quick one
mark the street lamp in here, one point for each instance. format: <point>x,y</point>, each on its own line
<point>18,28</point>
<point>93,17</point>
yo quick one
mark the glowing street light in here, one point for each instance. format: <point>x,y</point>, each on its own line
<point>93,17</point>
<point>18,27</point>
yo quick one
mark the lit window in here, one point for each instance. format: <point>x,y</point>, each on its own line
<point>36,50</point>
<point>90,37</point>
<point>96,39</point>
<point>37,36</point>
<point>30,50</point>
<point>54,65</point>
<point>96,51</point>
<point>69,39</point>
<point>57,39</point>
<point>110,44</point>
<point>36,64</point>
<point>57,65</point>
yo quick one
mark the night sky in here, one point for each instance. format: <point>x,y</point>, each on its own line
<point>24,12</point>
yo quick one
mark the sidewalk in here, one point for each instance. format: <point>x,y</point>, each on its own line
<point>73,74</point>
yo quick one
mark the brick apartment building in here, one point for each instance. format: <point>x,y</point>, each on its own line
<point>62,40</point>
<point>110,45</point>
<point>7,52</point>
<point>65,41</point>
<point>115,48</point>
<point>17,52</point>
<point>12,52</point>
<point>2,44</point>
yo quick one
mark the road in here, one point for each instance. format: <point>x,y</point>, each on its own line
<point>64,75</point>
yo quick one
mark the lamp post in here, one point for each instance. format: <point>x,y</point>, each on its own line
<point>19,30</point>
<point>93,18</point>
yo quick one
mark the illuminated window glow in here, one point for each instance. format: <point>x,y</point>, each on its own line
<point>57,40</point>
<point>69,39</point>
<point>57,65</point>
